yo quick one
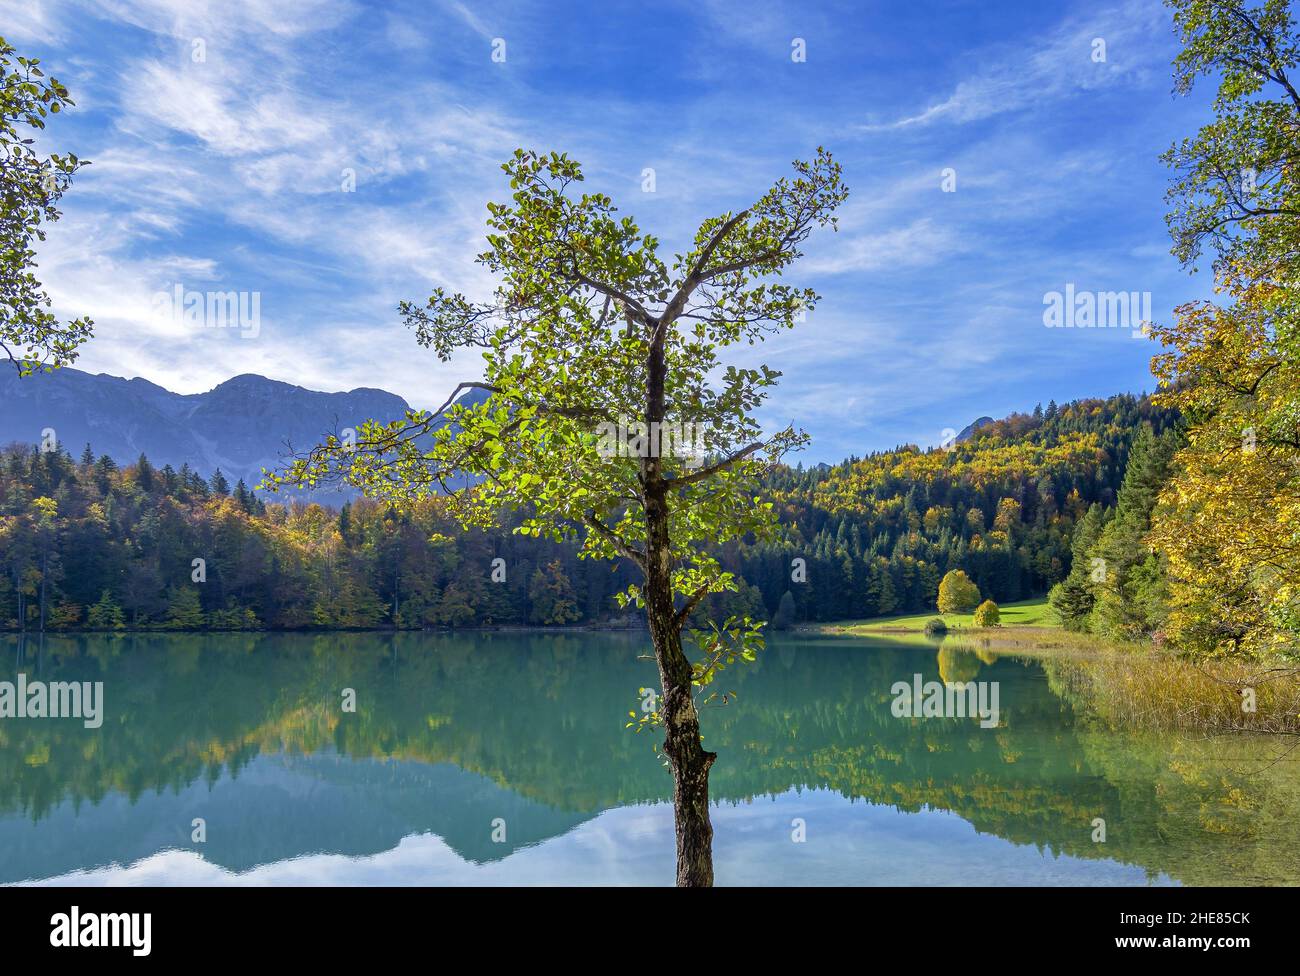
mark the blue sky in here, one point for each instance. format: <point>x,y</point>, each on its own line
<point>226,173</point>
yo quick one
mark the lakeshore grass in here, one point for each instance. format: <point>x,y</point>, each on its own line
<point>1023,613</point>
<point>1124,686</point>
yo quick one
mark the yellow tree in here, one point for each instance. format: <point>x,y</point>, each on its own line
<point>957,593</point>
<point>1229,519</point>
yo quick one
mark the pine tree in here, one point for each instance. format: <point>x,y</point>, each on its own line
<point>184,611</point>
<point>144,474</point>
<point>106,614</point>
<point>1074,597</point>
<point>1131,601</point>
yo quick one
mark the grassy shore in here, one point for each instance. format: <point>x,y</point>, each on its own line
<point>1026,613</point>
<point>1129,686</point>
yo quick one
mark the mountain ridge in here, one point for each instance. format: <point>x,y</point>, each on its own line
<point>242,425</point>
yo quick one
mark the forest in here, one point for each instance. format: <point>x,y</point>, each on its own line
<point>91,545</point>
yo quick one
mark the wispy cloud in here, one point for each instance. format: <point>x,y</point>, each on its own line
<point>1089,51</point>
<point>337,157</point>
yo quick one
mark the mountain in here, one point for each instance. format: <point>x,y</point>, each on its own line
<point>240,426</point>
<point>970,429</point>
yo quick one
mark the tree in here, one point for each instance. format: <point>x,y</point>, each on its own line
<point>551,596</point>
<point>1236,181</point>
<point>883,589</point>
<point>144,474</point>
<point>1074,597</point>
<point>601,367</point>
<point>30,336</point>
<point>957,593</point>
<point>784,617</point>
<point>106,614</point>
<point>1127,573</point>
<point>184,611</point>
<point>45,512</point>
<point>1226,520</point>
<point>987,614</point>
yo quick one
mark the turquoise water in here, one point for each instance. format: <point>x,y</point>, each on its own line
<point>504,759</point>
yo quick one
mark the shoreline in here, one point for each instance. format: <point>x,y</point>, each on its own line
<point>1025,639</point>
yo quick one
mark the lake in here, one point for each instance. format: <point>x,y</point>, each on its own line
<point>489,759</point>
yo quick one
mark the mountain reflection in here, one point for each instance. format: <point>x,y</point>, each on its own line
<point>453,732</point>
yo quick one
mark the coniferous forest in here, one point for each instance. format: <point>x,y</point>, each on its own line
<point>92,545</point>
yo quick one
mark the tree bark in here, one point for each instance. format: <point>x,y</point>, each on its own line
<point>686,756</point>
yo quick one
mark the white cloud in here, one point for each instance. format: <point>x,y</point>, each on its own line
<point>32,21</point>
<point>1062,66</point>
<point>921,242</point>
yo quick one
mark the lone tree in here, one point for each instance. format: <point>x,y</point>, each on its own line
<point>957,592</point>
<point>601,361</point>
<point>988,615</point>
<point>31,337</point>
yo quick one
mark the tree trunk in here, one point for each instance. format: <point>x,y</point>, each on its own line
<point>45,572</point>
<point>689,761</point>
<point>22,602</point>
<point>686,756</point>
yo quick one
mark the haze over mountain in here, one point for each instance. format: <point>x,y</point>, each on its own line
<point>241,426</point>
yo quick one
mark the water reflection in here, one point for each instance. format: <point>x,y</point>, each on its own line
<point>453,733</point>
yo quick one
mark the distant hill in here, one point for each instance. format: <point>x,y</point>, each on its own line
<point>240,426</point>
<point>970,429</point>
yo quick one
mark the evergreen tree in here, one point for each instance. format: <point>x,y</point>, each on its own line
<point>106,614</point>
<point>144,474</point>
<point>784,617</point>
<point>1074,597</point>
<point>184,611</point>
<point>1131,598</point>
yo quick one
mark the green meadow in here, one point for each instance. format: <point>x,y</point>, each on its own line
<point>1024,613</point>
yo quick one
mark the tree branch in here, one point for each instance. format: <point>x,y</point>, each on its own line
<point>713,469</point>
<point>614,539</point>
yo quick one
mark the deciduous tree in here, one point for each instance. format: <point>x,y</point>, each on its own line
<point>592,347</point>
<point>31,337</point>
<point>957,593</point>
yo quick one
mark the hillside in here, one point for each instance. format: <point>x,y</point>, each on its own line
<point>866,538</point>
